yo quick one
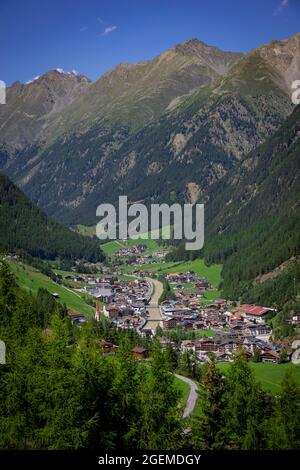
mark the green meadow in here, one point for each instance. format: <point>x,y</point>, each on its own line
<point>31,279</point>
<point>110,248</point>
<point>212,273</point>
<point>270,376</point>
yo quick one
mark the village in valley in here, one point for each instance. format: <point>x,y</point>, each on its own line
<point>129,295</point>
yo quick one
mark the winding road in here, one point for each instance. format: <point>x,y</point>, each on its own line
<point>152,323</point>
<point>193,395</point>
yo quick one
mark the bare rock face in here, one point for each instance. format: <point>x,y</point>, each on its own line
<point>284,57</point>
<point>193,192</point>
<point>31,107</point>
<point>59,103</point>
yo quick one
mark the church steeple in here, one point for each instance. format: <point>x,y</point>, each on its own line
<point>97,311</point>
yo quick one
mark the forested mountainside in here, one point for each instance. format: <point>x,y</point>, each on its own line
<point>257,218</point>
<point>155,130</point>
<point>25,227</point>
<point>253,221</point>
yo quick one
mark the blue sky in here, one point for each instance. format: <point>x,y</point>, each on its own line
<point>92,36</point>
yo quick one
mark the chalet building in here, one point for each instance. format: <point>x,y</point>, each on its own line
<point>188,345</point>
<point>111,311</point>
<point>139,353</point>
<point>260,331</point>
<point>106,295</point>
<point>237,327</point>
<point>77,318</point>
<point>296,319</point>
<point>169,323</point>
<point>252,344</point>
<point>213,306</point>
<point>203,285</point>
<point>187,324</point>
<point>228,346</point>
<point>164,341</point>
<point>234,317</point>
<point>270,356</point>
<point>107,347</point>
<point>255,313</point>
<point>220,347</point>
<point>199,325</point>
<point>206,345</point>
<point>224,356</point>
<point>171,308</point>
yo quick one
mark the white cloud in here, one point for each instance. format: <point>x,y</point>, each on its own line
<point>108,30</point>
<point>283,4</point>
<point>100,20</point>
<point>84,28</point>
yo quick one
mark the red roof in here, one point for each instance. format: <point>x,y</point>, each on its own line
<point>254,309</point>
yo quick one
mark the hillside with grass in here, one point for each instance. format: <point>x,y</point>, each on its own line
<point>32,280</point>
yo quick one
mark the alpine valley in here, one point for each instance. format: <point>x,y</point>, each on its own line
<point>195,124</point>
<point>139,344</point>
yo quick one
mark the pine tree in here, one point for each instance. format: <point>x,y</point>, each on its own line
<point>159,424</point>
<point>208,427</point>
<point>246,404</point>
<point>283,429</point>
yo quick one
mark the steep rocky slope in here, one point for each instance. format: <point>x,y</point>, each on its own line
<point>30,107</point>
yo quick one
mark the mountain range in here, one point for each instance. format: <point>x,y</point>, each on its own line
<point>154,130</point>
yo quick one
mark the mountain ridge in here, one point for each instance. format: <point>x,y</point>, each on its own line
<point>155,140</point>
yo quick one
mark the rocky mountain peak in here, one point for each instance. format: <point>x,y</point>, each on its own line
<point>30,106</point>
<point>284,57</point>
<point>207,55</point>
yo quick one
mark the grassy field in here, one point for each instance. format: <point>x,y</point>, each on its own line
<point>110,248</point>
<point>73,273</point>
<point>31,279</point>
<point>88,231</point>
<point>212,273</point>
<point>269,375</point>
<point>188,333</point>
<point>152,244</point>
<point>210,296</point>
